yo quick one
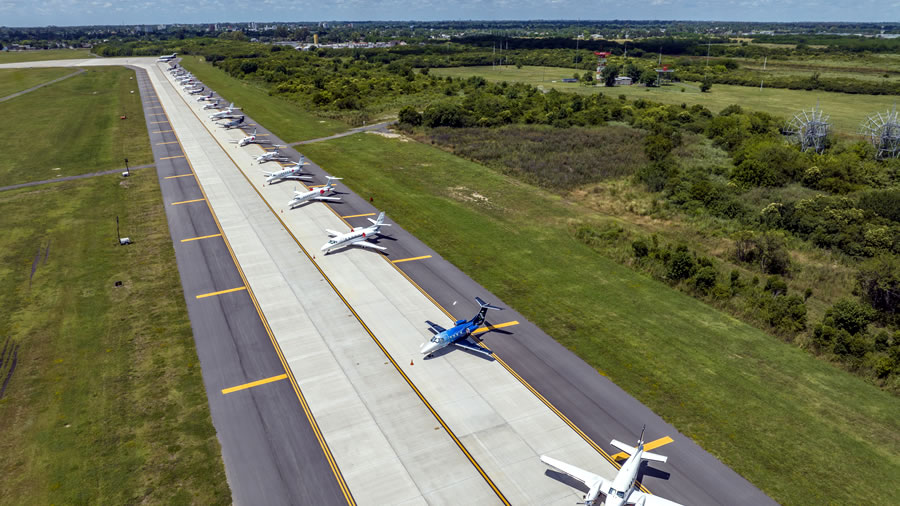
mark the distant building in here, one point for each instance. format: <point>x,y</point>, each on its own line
<point>624,81</point>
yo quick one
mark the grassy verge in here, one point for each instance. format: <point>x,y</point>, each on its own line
<point>73,127</point>
<point>44,55</point>
<point>800,429</point>
<point>16,80</point>
<point>106,404</point>
<point>847,111</point>
<point>285,119</point>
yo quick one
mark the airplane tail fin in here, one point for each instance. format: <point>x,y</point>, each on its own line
<point>631,450</point>
<point>331,180</point>
<point>379,222</point>
<point>484,309</point>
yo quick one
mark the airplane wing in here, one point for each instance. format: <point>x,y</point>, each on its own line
<point>332,233</point>
<point>327,198</point>
<point>367,244</point>
<point>588,478</point>
<point>469,345</point>
<point>435,326</point>
<point>298,177</point>
<point>649,500</point>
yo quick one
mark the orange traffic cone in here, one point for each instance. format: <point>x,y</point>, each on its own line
<point>410,362</point>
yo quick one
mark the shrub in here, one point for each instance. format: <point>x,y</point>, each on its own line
<point>850,315</point>
<point>879,281</point>
<point>640,248</point>
<point>681,264</point>
<point>410,116</point>
<point>705,279</point>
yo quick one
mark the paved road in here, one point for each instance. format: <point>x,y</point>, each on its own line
<point>271,453</point>
<point>379,127</point>
<point>593,404</point>
<point>29,90</point>
<point>71,178</point>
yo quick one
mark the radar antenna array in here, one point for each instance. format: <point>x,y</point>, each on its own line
<point>808,129</point>
<point>883,131</point>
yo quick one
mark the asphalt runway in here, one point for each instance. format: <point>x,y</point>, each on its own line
<point>272,454</point>
<point>592,404</point>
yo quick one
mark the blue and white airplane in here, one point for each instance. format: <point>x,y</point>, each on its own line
<point>459,334</point>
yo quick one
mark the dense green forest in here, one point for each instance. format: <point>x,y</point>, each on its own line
<point>771,206</point>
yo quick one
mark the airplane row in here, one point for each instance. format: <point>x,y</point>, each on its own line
<point>622,490</point>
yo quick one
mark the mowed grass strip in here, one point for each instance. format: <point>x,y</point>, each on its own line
<point>16,80</point>
<point>107,404</point>
<point>73,127</point>
<point>803,431</point>
<point>44,55</point>
<point>285,119</point>
<point>847,111</point>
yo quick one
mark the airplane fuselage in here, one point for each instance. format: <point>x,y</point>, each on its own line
<point>350,238</point>
<point>462,330</point>
<point>623,483</point>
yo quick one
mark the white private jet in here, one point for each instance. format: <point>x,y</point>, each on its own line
<point>196,91</point>
<point>168,57</point>
<point>621,490</point>
<point>184,78</point>
<point>230,112</point>
<point>356,236</point>
<point>251,139</point>
<point>290,172</point>
<point>212,105</point>
<point>273,156</point>
<point>314,194</point>
<point>205,98</point>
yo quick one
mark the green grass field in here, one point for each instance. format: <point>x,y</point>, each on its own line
<point>73,127</point>
<point>44,54</point>
<point>285,119</point>
<point>800,429</point>
<point>16,80</point>
<point>107,404</point>
<point>847,111</point>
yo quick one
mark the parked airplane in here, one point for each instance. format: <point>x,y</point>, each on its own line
<point>621,490</point>
<point>233,123</point>
<point>291,172</point>
<point>168,57</point>
<point>230,112</point>
<point>273,156</point>
<point>314,194</point>
<point>204,98</point>
<point>458,335</point>
<point>196,91</point>
<point>356,236</point>
<point>250,139</point>
<point>212,105</point>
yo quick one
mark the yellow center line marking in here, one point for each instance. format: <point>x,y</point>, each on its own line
<point>254,384</point>
<point>220,292</point>
<point>157,114</point>
<point>155,107</point>
<point>353,215</point>
<point>410,259</point>
<point>170,142</point>
<point>171,157</point>
<point>162,132</point>
<point>492,327</point>
<point>187,201</point>
<point>155,122</point>
<point>647,447</point>
<point>201,237</point>
<point>179,175</point>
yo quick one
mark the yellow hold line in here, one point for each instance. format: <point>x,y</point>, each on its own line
<point>201,237</point>
<point>187,201</point>
<point>355,215</point>
<point>254,384</point>
<point>221,292</point>
<point>410,259</point>
<point>492,327</point>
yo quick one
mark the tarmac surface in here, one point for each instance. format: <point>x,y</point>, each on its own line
<point>267,449</point>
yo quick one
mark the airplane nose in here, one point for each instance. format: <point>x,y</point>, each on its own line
<point>323,248</point>
<point>427,348</point>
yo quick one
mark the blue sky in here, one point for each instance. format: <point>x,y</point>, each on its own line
<point>101,12</point>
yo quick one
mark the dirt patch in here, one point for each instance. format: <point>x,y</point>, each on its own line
<point>389,135</point>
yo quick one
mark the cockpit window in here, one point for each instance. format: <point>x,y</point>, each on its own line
<point>435,339</point>
<point>621,494</point>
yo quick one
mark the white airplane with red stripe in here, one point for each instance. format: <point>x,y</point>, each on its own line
<point>357,236</point>
<point>314,194</point>
<point>290,172</point>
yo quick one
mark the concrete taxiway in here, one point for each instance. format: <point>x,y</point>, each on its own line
<point>454,429</point>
